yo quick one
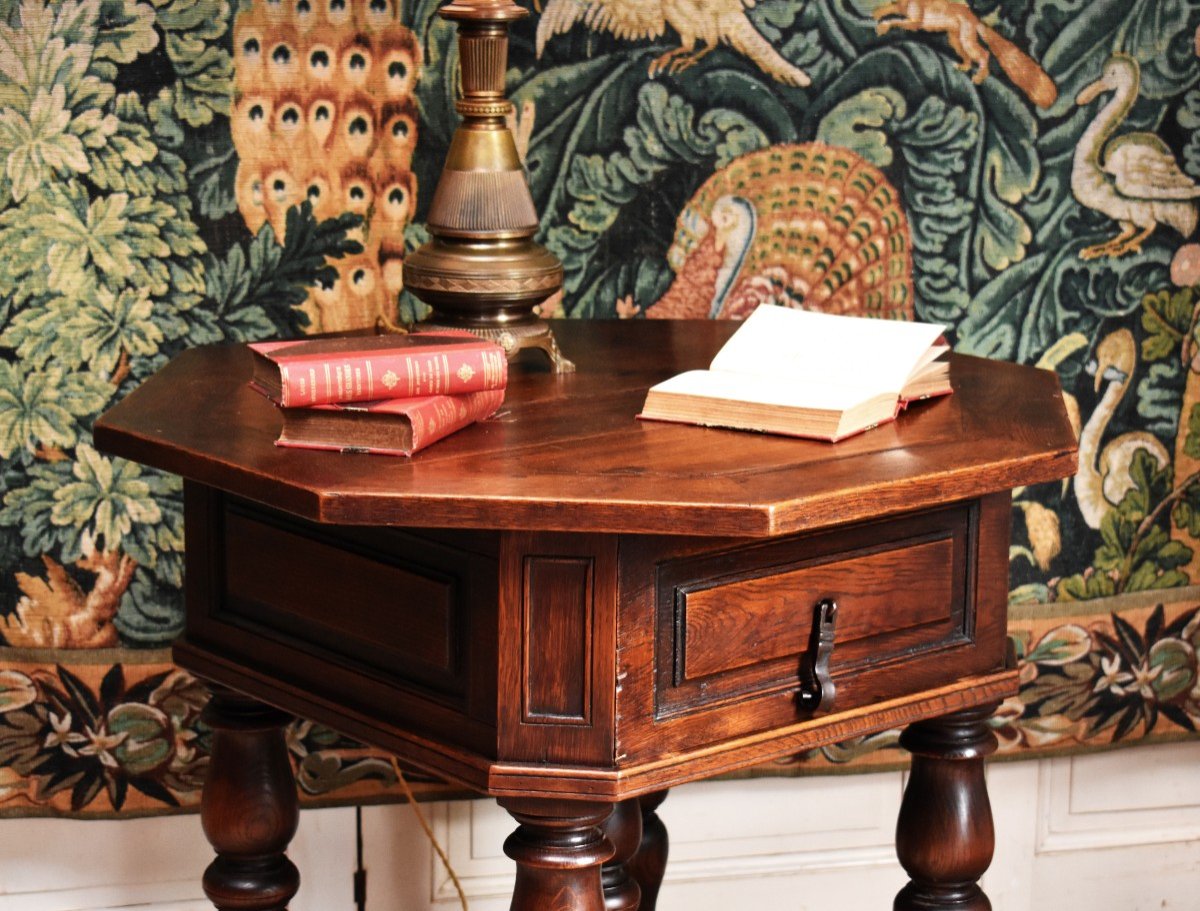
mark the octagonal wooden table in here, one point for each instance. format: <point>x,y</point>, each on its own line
<point>573,611</point>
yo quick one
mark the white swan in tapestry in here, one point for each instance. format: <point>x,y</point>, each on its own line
<point>1103,477</point>
<point>1133,179</point>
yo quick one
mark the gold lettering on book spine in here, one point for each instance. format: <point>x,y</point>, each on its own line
<point>493,365</point>
<point>312,385</point>
<point>434,376</point>
<point>444,415</point>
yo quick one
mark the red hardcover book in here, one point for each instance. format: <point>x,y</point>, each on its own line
<point>388,427</point>
<point>326,371</point>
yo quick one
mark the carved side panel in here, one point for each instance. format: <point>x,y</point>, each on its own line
<point>557,634</point>
<point>557,607</point>
<point>399,624</point>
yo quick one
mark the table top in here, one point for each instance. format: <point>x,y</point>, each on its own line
<point>566,452</point>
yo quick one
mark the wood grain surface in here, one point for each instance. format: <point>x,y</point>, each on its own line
<point>567,451</point>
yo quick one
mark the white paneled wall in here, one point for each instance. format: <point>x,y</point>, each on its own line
<point>1111,832</point>
<point>152,864</point>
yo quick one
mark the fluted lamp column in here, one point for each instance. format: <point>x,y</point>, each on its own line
<point>482,271</point>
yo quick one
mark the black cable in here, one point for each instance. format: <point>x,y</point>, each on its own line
<point>360,873</point>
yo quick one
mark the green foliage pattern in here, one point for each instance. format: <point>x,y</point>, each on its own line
<point>106,273</point>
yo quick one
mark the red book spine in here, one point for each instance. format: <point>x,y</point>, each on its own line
<point>439,417</point>
<point>429,419</point>
<point>453,370</point>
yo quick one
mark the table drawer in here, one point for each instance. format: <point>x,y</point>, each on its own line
<point>736,624</point>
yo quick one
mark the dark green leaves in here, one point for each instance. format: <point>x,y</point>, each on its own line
<point>252,294</point>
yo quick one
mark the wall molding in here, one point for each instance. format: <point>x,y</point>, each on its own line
<point>1083,804</point>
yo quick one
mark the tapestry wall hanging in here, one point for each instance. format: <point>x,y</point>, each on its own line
<point>184,172</point>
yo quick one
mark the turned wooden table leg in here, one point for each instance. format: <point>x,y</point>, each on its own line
<point>649,864</point>
<point>624,829</point>
<point>944,837</point>
<point>559,847</point>
<point>249,807</point>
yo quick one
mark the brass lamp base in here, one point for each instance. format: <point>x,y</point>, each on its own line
<point>513,339</point>
<point>489,288</point>
<point>482,270</point>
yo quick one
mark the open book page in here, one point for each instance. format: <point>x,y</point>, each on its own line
<point>766,390</point>
<point>820,349</point>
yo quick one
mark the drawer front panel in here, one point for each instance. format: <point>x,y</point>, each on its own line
<point>736,624</point>
<point>744,623</point>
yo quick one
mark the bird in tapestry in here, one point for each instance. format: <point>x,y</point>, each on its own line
<point>325,112</point>
<point>698,22</point>
<point>808,225</point>
<point>1134,178</point>
<point>1105,474</point>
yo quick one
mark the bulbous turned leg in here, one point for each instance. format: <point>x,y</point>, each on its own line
<point>249,808</point>
<point>944,837</point>
<point>650,862</point>
<point>559,847</point>
<point>624,829</point>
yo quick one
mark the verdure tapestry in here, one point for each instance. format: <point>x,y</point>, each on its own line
<point>186,172</point>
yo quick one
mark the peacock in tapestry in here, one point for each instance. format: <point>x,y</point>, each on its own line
<point>807,225</point>
<point>325,112</point>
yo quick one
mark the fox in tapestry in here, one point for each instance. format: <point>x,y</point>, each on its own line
<point>183,172</point>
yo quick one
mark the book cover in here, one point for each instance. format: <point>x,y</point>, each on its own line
<point>308,372</point>
<point>804,374</point>
<point>386,427</point>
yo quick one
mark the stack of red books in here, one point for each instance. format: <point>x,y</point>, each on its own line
<point>388,394</point>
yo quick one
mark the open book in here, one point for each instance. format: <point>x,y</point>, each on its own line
<point>807,374</point>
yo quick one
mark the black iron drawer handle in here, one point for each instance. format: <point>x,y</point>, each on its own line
<point>816,686</point>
